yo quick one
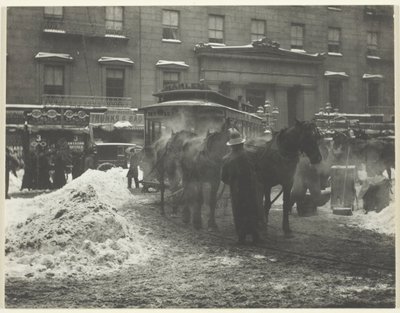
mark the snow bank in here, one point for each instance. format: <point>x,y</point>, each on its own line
<point>75,231</point>
<point>382,222</point>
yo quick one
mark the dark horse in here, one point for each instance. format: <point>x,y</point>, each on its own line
<point>201,163</point>
<point>276,162</point>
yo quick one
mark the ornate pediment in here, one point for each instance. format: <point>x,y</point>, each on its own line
<point>265,42</point>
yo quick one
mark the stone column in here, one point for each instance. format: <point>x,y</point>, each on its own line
<point>310,105</point>
<point>281,103</point>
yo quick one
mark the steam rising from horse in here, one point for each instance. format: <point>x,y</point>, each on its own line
<point>192,161</point>
<point>201,163</point>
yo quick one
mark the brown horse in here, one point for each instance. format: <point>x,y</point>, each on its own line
<point>276,162</point>
<point>201,163</point>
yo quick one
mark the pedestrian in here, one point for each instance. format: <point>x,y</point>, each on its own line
<point>90,159</point>
<point>29,171</point>
<point>43,169</point>
<point>77,164</point>
<point>239,174</point>
<point>11,165</point>
<point>59,171</point>
<point>134,160</point>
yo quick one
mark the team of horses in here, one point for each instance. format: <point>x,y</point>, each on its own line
<point>188,161</point>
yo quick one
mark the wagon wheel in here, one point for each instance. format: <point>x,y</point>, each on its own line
<point>105,166</point>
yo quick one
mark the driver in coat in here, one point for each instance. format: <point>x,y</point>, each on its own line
<point>238,172</point>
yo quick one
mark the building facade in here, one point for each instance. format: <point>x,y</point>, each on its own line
<point>297,57</point>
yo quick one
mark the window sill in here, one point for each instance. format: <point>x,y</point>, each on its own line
<point>216,44</point>
<point>334,9</point>
<point>171,40</point>
<point>115,36</point>
<point>298,50</point>
<point>54,31</point>
<point>335,54</point>
<point>373,57</point>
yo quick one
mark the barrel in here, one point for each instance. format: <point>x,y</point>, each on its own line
<point>343,191</point>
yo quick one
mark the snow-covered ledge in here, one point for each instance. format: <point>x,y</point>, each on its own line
<point>335,54</point>
<point>176,64</point>
<point>335,74</point>
<point>171,40</point>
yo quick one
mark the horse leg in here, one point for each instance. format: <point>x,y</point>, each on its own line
<point>198,202</point>
<point>267,202</point>
<point>287,205</point>
<point>162,190</point>
<point>213,204</point>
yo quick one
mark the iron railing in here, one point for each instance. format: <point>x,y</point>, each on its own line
<point>78,28</point>
<point>87,101</point>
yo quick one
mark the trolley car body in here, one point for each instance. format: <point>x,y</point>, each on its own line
<point>198,111</point>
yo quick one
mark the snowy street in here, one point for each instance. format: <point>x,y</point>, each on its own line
<point>94,243</point>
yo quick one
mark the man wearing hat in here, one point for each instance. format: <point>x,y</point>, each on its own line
<point>238,172</point>
<point>134,160</point>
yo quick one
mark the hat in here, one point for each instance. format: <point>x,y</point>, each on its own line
<point>235,138</point>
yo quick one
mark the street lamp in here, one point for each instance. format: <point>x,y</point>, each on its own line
<point>269,114</point>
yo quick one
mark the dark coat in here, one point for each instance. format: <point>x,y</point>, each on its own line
<point>134,161</point>
<point>59,172</point>
<point>238,172</point>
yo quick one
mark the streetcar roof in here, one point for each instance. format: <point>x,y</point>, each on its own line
<point>195,103</point>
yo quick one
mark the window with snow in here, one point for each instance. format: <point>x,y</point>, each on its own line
<point>372,43</point>
<point>114,20</point>
<point>373,93</point>
<point>53,80</point>
<point>215,28</point>
<point>53,12</point>
<point>115,82</point>
<point>334,40</point>
<point>170,79</point>
<point>257,29</point>
<point>170,23</point>
<point>335,91</point>
<point>297,36</point>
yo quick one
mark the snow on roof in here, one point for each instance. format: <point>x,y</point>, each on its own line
<point>176,63</point>
<point>113,59</point>
<point>330,73</point>
<point>45,55</point>
<point>371,76</point>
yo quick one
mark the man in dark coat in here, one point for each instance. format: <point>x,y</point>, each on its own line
<point>239,174</point>
<point>134,160</point>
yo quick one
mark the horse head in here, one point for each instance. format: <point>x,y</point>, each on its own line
<point>308,139</point>
<point>215,142</point>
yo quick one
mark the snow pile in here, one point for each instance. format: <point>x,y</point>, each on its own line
<point>382,222</point>
<point>75,231</point>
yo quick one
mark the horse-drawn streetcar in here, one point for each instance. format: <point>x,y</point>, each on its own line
<point>198,110</point>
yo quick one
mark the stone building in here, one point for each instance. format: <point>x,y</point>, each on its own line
<point>298,57</point>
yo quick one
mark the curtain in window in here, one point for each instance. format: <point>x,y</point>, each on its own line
<point>114,18</point>
<point>297,36</point>
<point>215,29</point>
<point>257,29</point>
<point>53,79</point>
<point>53,11</point>
<point>170,24</point>
<point>115,83</point>
<point>333,40</point>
